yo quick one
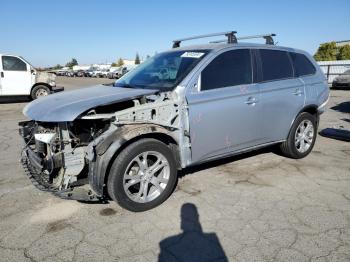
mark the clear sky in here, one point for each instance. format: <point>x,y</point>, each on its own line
<point>51,32</point>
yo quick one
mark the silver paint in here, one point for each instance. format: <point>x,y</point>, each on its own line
<point>68,105</point>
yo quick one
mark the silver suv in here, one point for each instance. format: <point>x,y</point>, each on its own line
<point>182,107</point>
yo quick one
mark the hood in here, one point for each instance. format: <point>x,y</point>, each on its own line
<point>68,105</point>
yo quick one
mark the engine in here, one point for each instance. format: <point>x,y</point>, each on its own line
<point>55,152</point>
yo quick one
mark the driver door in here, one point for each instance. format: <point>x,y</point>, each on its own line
<point>16,78</point>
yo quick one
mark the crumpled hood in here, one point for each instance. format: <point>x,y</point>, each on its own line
<point>68,105</point>
<point>44,77</point>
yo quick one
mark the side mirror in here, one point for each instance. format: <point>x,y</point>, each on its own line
<point>32,71</point>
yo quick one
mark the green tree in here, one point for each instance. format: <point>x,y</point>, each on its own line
<point>58,66</point>
<point>114,65</point>
<point>326,52</point>
<point>137,59</point>
<point>120,62</point>
<point>344,53</point>
<point>72,63</point>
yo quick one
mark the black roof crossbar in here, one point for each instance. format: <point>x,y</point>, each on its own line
<point>231,38</point>
<point>268,38</point>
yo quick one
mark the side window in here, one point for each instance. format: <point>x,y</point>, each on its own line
<point>302,65</point>
<point>11,63</point>
<point>228,69</point>
<point>275,65</point>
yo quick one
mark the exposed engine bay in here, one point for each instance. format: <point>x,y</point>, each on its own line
<point>61,157</point>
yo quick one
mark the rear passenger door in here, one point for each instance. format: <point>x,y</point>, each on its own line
<point>224,113</point>
<point>282,94</point>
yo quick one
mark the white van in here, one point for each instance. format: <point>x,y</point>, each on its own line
<point>20,78</point>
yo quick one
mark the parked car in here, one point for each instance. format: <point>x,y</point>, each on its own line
<point>342,81</point>
<point>88,73</point>
<point>112,73</point>
<point>96,73</point>
<point>79,73</point>
<point>127,142</point>
<point>19,78</point>
<point>117,73</point>
<point>61,73</point>
<point>70,73</point>
<point>104,73</point>
<point>123,70</point>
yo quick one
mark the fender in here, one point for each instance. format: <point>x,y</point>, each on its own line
<point>101,152</point>
<point>313,109</point>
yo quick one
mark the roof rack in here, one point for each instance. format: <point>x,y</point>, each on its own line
<point>231,38</point>
<point>267,37</point>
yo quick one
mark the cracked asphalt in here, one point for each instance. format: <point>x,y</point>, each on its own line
<point>254,207</point>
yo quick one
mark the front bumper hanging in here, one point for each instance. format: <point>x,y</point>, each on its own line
<point>33,165</point>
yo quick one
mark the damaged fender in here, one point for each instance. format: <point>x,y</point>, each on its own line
<point>101,152</point>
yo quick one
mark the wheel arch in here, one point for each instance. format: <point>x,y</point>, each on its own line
<point>312,109</point>
<point>41,84</point>
<point>108,150</point>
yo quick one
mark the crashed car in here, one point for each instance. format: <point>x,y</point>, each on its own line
<point>126,142</point>
<point>19,78</point>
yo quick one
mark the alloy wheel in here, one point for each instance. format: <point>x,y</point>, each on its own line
<point>146,176</point>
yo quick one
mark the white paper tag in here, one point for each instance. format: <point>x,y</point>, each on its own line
<point>192,54</point>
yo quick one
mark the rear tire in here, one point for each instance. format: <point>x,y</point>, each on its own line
<point>301,138</point>
<point>143,175</point>
<point>39,91</point>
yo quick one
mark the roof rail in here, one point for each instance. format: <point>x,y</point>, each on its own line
<point>231,38</point>
<point>268,38</point>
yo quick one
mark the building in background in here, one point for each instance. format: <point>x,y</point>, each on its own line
<point>81,67</point>
<point>128,61</point>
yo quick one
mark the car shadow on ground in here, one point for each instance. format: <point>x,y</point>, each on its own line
<point>223,161</point>
<point>343,107</point>
<point>192,244</point>
<point>14,100</point>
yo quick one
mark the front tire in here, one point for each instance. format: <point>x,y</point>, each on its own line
<point>301,138</point>
<point>39,91</point>
<point>143,175</point>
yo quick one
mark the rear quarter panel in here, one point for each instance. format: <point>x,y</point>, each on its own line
<point>316,87</point>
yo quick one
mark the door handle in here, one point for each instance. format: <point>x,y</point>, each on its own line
<point>297,92</point>
<point>251,101</point>
<point>2,74</point>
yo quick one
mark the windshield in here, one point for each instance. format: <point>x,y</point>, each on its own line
<point>163,71</point>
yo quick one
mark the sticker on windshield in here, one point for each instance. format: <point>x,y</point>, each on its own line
<point>192,54</point>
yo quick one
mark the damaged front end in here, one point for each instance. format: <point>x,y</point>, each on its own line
<point>71,158</point>
<point>54,156</point>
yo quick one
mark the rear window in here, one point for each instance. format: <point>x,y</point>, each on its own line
<point>302,65</point>
<point>275,65</point>
<point>228,69</point>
